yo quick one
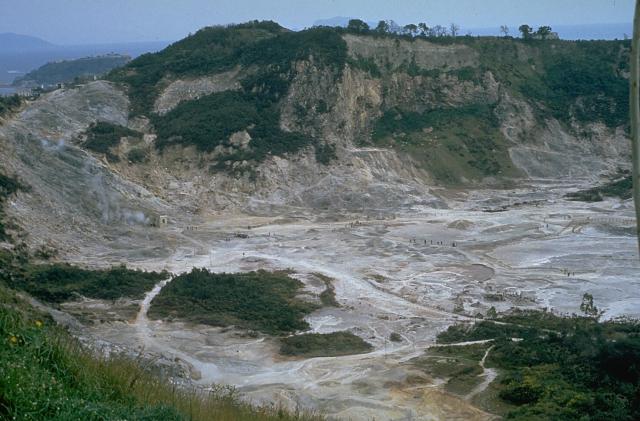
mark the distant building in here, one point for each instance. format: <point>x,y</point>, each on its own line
<point>160,221</point>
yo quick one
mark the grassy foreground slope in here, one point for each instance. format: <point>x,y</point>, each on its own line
<point>45,374</point>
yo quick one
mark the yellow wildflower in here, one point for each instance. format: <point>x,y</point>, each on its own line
<point>38,323</point>
<point>13,339</point>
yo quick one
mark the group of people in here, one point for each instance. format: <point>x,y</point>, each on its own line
<point>437,243</point>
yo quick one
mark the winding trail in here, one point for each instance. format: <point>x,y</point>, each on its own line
<point>489,374</point>
<point>147,336</point>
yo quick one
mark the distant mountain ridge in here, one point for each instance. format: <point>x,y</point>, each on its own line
<point>66,70</point>
<point>11,42</point>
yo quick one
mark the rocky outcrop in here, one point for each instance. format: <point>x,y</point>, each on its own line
<point>390,53</point>
<point>190,89</point>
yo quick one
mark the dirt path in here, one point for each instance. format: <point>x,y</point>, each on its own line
<point>489,375</point>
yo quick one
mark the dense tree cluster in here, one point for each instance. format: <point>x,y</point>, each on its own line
<point>333,344</point>
<point>62,282</point>
<point>570,368</point>
<point>528,33</point>
<point>103,136</point>
<point>389,27</point>
<point>263,301</point>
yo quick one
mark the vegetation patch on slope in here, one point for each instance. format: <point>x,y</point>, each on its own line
<point>209,122</point>
<point>622,188</point>
<point>454,144</point>
<point>9,104</point>
<point>267,45</point>
<point>460,366</point>
<point>328,296</point>
<point>570,368</point>
<point>586,81</point>
<point>103,136</point>
<point>581,80</point>
<point>268,54</point>
<point>8,187</point>
<point>309,345</point>
<point>57,283</point>
<point>210,50</point>
<point>262,301</point>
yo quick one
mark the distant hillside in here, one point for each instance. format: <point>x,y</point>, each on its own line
<point>67,70</point>
<point>16,63</point>
<point>10,42</point>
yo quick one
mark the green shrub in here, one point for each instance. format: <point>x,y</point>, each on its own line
<point>263,301</point>
<point>137,155</point>
<point>334,344</point>
<point>366,64</point>
<point>622,188</point>
<point>62,282</point>
<point>325,153</point>
<point>102,136</point>
<point>9,104</point>
<point>8,187</point>
<point>395,337</point>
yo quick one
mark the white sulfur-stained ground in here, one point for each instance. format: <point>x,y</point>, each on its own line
<point>414,274</point>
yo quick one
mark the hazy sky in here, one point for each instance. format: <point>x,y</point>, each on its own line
<point>104,21</point>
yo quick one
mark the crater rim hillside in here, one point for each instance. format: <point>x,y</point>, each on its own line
<point>243,93</point>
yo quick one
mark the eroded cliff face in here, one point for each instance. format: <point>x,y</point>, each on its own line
<point>539,145</point>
